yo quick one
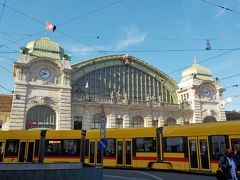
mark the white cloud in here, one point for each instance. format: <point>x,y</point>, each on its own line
<point>220,12</point>
<point>133,37</point>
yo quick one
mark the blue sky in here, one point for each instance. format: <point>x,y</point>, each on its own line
<point>127,26</point>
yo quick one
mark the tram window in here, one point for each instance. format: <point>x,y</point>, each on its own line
<point>67,147</point>
<point>110,150</point>
<point>87,147</point>
<point>11,147</point>
<point>236,148</point>
<point>173,144</point>
<point>1,151</point>
<point>218,146</point>
<point>36,148</point>
<point>145,145</point>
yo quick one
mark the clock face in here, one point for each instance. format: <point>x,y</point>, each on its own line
<point>45,73</point>
<point>206,91</point>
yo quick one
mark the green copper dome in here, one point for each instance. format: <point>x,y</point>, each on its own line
<point>45,47</point>
<point>197,71</point>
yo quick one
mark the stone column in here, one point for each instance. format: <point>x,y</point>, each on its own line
<point>86,121</point>
<point>64,120</point>
<point>126,121</point>
<point>160,121</point>
<point>112,121</point>
<point>148,121</point>
<point>18,112</point>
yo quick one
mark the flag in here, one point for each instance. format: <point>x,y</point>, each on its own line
<point>50,26</point>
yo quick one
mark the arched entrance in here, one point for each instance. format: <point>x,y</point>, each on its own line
<point>171,121</point>
<point>208,119</point>
<point>137,121</point>
<point>41,116</point>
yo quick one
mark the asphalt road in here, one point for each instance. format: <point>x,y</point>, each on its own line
<point>119,174</point>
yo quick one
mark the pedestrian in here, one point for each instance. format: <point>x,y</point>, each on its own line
<point>228,166</point>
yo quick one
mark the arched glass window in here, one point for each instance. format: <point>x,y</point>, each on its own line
<point>129,81</point>
<point>41,117</point>
<point>170,121</point>
<point>137,121</point>
<point>208,119</point>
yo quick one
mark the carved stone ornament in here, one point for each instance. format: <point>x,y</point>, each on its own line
<point>127,59</point>
<point>43,100</point>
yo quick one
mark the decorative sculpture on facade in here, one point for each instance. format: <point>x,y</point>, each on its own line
<point>43,100</point>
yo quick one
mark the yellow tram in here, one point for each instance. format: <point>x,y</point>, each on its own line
<point>195,147</point>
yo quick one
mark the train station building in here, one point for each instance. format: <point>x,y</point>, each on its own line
<point>53,94</point>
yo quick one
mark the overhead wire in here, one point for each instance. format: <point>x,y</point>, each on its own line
<point>4,4</point>
<point>219,6</point>
<point>228,77</point>
<point>6,89</point>
<point>89,12</point>
<point>208,59</point>
<point>231,86</point>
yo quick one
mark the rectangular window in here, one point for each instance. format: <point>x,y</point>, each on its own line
<point>77,122</point>
<point>110,150</point>
<point>66,147</point>
<point>12,147</point>
<point>174,144</point>
<point>1,151</point>
<point>36,151</point>
<point>236,149</point>
<point>218,146</point>
<point>154,123</point>
<point>145,145</point>
<point>119,122</point>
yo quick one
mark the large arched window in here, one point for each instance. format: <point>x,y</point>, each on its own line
<point>126,80</point>
<point>137,121</point>
<point>208,119</point>
<point>170,121</point>
<point>41,117</point>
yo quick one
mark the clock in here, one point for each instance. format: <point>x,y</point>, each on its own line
<point>45,73</point>
<point>206,91</point>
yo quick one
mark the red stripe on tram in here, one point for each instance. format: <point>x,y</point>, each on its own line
<point>145,158</point>
<point>176,159</point>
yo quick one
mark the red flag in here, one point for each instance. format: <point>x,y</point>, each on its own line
<point>50,26</point>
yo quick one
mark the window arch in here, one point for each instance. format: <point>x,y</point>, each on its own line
<point>208,119</point>
<point>41,116</point>
<point>134,83</point>
<point>137,121</point>
<point>170,121</point>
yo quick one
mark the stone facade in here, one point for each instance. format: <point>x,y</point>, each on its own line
<point>203,94</point>
<point>41,81</point>
<point>49,93</point>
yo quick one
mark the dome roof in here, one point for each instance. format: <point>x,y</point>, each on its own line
<point>197,71</point>
<point>45,47</point>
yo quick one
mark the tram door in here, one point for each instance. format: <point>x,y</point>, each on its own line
<point>2,147</point>
<point>124,152</point>
<point>30,148</point>
<point>22,151</point>
<point>128,152</point>
<point>120,154</point>
<point>204,153</point>
<point>199,153</point>
<point>99,155</point>
<point>92,150</point>
<point>193,153</point>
